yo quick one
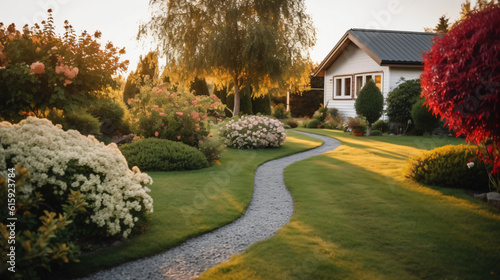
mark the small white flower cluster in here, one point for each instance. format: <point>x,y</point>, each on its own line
<point>114,192</point>
<point>253,132</point>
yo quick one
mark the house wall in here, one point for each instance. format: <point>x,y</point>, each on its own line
<point>353,60</point>
<point>409,73</point>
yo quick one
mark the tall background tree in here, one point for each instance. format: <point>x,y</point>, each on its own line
<point>255,43</point>
<point>444,26</point>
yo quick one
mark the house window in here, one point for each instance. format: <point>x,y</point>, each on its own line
<point>362,79</point>
<point>342,87</point>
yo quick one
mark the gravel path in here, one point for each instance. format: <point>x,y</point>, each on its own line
<point>270,209</point>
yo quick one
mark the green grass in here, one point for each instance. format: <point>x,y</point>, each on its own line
<point>357,217</point>
<point>190,203</point>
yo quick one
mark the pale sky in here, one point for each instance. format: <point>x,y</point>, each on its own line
<point>118,20</point>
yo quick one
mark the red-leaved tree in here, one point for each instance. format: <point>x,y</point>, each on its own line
<point>461,82</point>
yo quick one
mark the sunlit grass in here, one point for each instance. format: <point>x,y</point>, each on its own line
<point>190,203</point>
<point>357,217</point>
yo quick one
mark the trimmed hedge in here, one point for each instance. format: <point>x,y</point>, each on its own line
<point>153,154</point>
<point>447,167</point>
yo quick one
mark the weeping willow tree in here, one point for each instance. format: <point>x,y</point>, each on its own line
<point>257,43</point>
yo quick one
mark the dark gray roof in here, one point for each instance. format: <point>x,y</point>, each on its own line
<point>395,47</point>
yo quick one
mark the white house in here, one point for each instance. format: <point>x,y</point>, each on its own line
<point>361,55</point>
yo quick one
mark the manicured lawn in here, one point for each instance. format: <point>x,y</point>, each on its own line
<point>190,203</point>
<point>357,217</point>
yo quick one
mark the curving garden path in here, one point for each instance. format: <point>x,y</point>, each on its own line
<point>270,209</point>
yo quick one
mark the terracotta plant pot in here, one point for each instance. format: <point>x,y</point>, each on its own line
<point>357,133</point>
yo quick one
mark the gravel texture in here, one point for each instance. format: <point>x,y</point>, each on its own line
<point>270,209</point>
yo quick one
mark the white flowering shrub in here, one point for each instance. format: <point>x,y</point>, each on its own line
<point>253,132</point>
<point>60,161</point>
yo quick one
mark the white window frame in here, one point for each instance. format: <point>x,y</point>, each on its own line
<point>363,82</point>
<point>342,90</point>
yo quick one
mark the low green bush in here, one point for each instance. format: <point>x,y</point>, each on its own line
<point>313,123</point>
<point>447,167</point>
<point>291,122</point>
<point>79,120</point>
<point>212,147</point>
<point>111,115</point>
<point>153,154</point>
<point>321,114</point>
<point>381,125</point>
<point>376,132</point>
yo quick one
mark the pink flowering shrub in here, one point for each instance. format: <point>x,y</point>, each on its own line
<point>253,132</point>
<point>176,116</point>
<point>40,70</point>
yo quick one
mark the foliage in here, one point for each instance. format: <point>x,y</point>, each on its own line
<point>291,122</point>
<point>180,116</point>
<point>447,167</point>
<point>314,123</point>
<point>400,101</point>
<point>321,114</point>
<point>354,122</point>
<point>381,125</point>
<point>262,105</point>
<point>423,118</point>
<point>334,119</point>
<point>253,132</point>
<point>39,242</point>
<point>79,120</point>
<point>461,77</point>
<point>305,103</point>
<point>488,152</point>
<point>40,70</point>
<point>245,101</point>
<point>280,112</point>
<point>246,43</point>
<point>152,154</point>
<point>212,148</point>
<point>199,86</point>
<point>370,103</point>
<point>442,27</point>
<point>376,132</point>
<point>60,161</point>
<point>146,72</point>
<point>111,115</point>
<point>359,128</point>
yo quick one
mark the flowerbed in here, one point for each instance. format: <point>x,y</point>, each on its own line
<point>253,132</point>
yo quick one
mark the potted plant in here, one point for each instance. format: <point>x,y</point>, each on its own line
<point>358,130</point>
<point>357,125</point>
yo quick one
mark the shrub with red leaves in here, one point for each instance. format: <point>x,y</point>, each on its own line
<point>461,81</point>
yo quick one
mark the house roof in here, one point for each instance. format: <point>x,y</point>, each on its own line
<point>385,47</point>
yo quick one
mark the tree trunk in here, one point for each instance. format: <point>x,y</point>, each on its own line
<point>368,129</point>
<point>236,110</point>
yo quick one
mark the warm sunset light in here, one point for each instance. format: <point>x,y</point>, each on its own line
<point>256,139</point>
